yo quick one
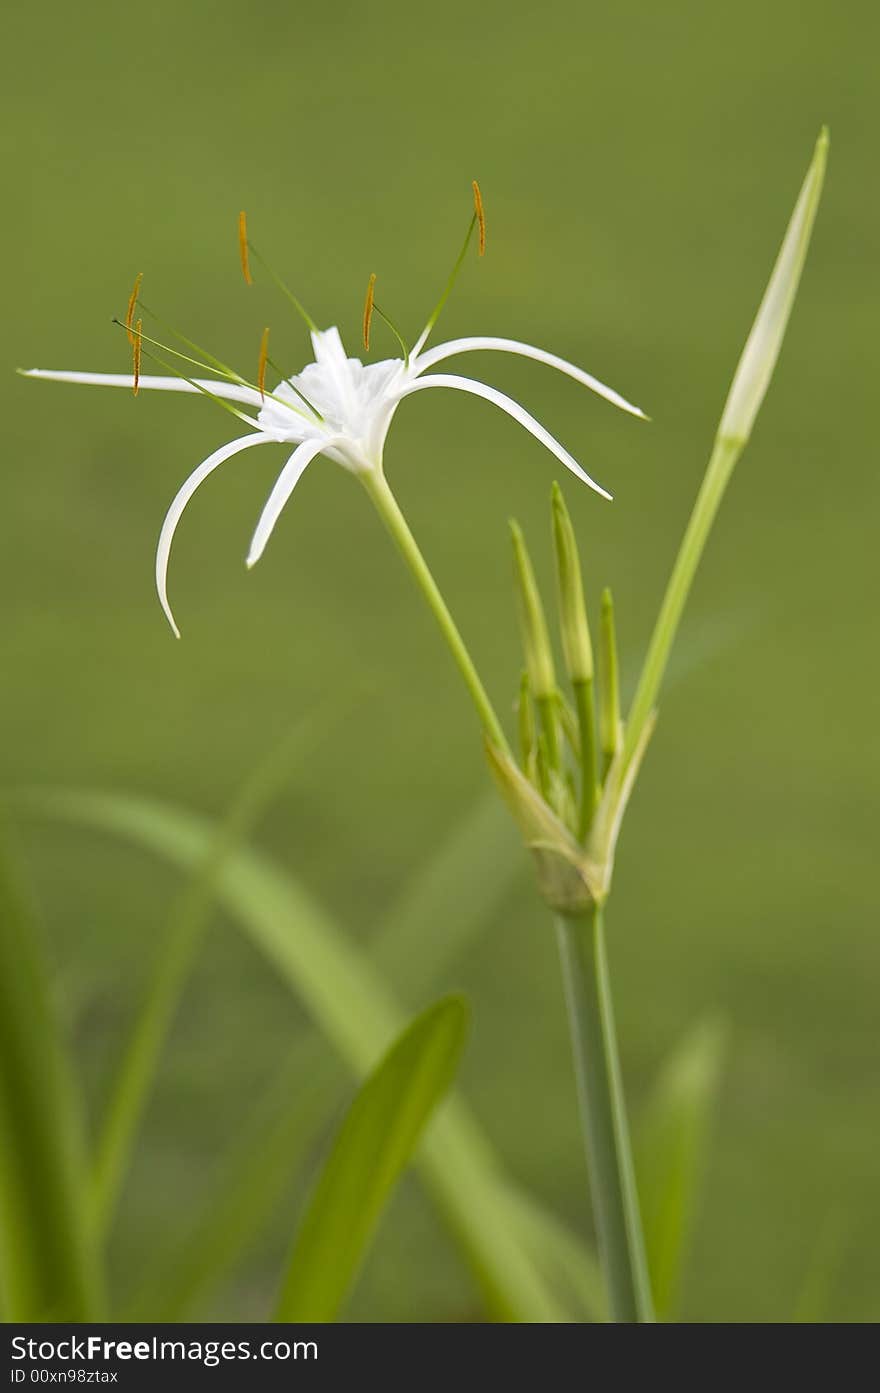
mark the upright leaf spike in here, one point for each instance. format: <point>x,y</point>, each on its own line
<point>750,383</point>
<point>578,650</point>
<point>526,722</point>
<point>536,646</point>
<point>609,692</point>
<point>575,630</point>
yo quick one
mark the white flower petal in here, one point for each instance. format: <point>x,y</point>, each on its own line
<point>231,391</point>
<point>284,485</point>
<point>479,389</point>
<point>526,350</point>
<point>329,349</point>
<point>182,497</point>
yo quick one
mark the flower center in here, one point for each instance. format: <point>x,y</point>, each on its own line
<point>351,400</point>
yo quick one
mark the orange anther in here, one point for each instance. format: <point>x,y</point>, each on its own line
<point>261,369</point>
<point>132,306</point>
<point>243,248</point>
<point>480,214</point>
<point>368,311</point>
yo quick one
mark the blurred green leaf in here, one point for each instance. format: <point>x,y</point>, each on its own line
<point>444,904</point>
<point>188,921</point>
<point>570,1268</point>
<point>671,1154</point>
<point>352,1004</point>
<point>371,1150</point>
<point>451,898</point>
<point>48,1268</point>
<point>245,1191</point>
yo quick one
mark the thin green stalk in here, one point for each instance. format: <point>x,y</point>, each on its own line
<point>389,510</point>
<point>603,1116</point>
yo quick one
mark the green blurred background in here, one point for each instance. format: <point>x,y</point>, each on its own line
<point>638,164</point>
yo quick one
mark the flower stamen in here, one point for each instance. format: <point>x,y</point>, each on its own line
<point>243,248</point>
<point>480,215</point>
<point>368,311</point>
<point>209,364</point>
<point>371,307</point>
<point>194,382</point>
<point>132,306</point>
<point>478,220</point>
<point>246,250</point>
<point>135,337</point>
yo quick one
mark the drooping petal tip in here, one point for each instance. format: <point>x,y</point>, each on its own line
<point>493,344</point>
<point>284,485</point>
<point>178,505</point>
<point>514,410</point>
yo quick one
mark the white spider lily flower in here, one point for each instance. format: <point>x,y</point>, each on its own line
<point>336,406</point>
<point>339,407</point>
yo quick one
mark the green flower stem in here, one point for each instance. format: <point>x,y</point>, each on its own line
<point>389,510</point>
<point>587,990</point>
<point>603,1115</point>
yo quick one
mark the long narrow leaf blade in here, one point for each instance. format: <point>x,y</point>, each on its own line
<point>372,1148</point>
<point>445,904</point>
<point>354,1008</point>
<point>673,1142</point>
<point>188,921</point>
<point>750,383</point>
<point>48,1268</point>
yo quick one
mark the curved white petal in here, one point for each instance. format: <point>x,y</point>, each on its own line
<point>284,485</point>
<point>513,408</point>
<point>232,391</point>
<point>526,350</point>
<point>181,498</point>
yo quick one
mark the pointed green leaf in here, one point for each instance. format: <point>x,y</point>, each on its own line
<point>673,1140</point>
<point>188,921</point>
<point>576,644</point>
<point>609,683</point>
<point>750,384</point>
<point>371,1150</point>
<point>353,1006</point>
